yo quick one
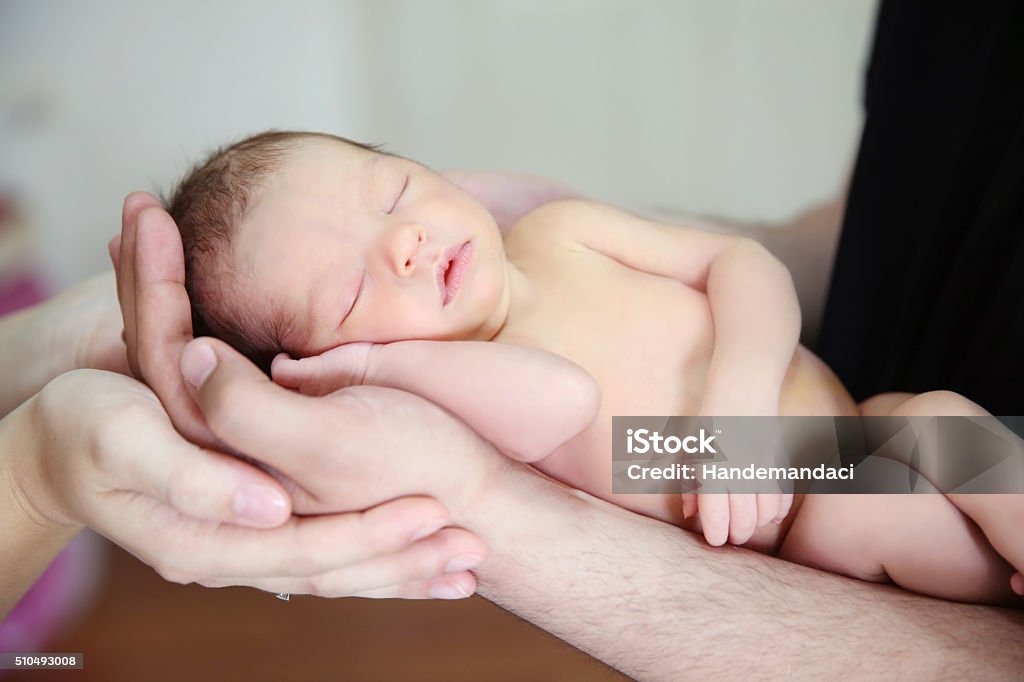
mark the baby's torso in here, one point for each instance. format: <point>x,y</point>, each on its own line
<point>646,339</point>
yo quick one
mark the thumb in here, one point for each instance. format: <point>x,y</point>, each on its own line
<point>247,411</point>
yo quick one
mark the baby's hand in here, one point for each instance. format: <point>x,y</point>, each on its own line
<point>735,516</point>
<point>347,365</point>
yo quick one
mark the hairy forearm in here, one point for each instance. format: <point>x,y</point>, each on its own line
<point>757,324</point>
<point>658,604</point>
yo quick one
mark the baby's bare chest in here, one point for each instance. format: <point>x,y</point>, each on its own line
<point>646,339</point>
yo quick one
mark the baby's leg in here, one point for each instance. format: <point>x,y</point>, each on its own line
<point>920,542</point>
<point>1000,517</point>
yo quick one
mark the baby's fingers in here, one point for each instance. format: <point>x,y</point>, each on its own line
<point>689,505</point>
<point>321,374</point>
<point>1017,583</point>
<point>785,504</point>
<point>742,517</point>
<point>767,508</point>
<point>714,517</point>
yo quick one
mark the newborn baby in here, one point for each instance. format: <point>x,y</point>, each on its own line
<point>373,269</point>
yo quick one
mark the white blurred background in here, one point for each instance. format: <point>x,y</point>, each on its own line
<point>747,109</point>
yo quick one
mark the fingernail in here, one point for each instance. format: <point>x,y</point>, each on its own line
<point>259,505</point>
<point>197,361</point>
<point>778,519</point>
<point>463,562</point>
<point>426,529</point>
<point>447,591</point>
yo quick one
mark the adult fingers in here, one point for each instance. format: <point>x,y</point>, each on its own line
<point>163,318</point>
<point>449,586</point>
<point>448,551</point>
<point>124,265</point>
<point>742,517</point>
<point>306,547</point>
<point>198,484</point>
<point>254,415</point>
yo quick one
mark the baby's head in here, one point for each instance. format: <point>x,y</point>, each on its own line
<point>303,241</point>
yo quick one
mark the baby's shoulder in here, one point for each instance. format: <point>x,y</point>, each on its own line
<point>554,224</point>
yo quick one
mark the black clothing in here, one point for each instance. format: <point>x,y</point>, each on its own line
<point>928,287</point>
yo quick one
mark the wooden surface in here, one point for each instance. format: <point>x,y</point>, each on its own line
<point>143,628</point>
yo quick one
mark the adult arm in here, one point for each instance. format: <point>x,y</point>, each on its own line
<point>81,328</point>
<point>96,449</point>
<point>643,596</point>
<point>657,604</point>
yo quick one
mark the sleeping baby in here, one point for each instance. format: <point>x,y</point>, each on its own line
<point>333,264</point>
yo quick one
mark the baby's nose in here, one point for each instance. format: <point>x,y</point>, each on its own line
<point>405,248</point>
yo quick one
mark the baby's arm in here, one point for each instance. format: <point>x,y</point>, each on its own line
<point>751,295</point>
<point>526,401</point>
<point>756,325</point>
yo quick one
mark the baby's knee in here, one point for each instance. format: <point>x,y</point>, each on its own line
<point>838,533</point>
<point>940,404</point>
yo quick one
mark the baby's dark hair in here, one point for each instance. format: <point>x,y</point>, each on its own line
<point>208,205</point>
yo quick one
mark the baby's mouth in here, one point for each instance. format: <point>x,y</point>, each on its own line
<point>451,270</point>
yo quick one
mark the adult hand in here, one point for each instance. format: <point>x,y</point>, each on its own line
<point>149,262</point>
<point>96,449</point>
<point>344,450</point>
<point>150,267</point>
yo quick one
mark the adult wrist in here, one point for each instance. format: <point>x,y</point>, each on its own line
<point>30,540</point>
<point>41,448</point>
<point>521,509</point>
<point>25,497</point>
<point>86,327</point>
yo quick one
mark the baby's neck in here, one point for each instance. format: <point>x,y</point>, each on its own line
<point>514,281</point>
